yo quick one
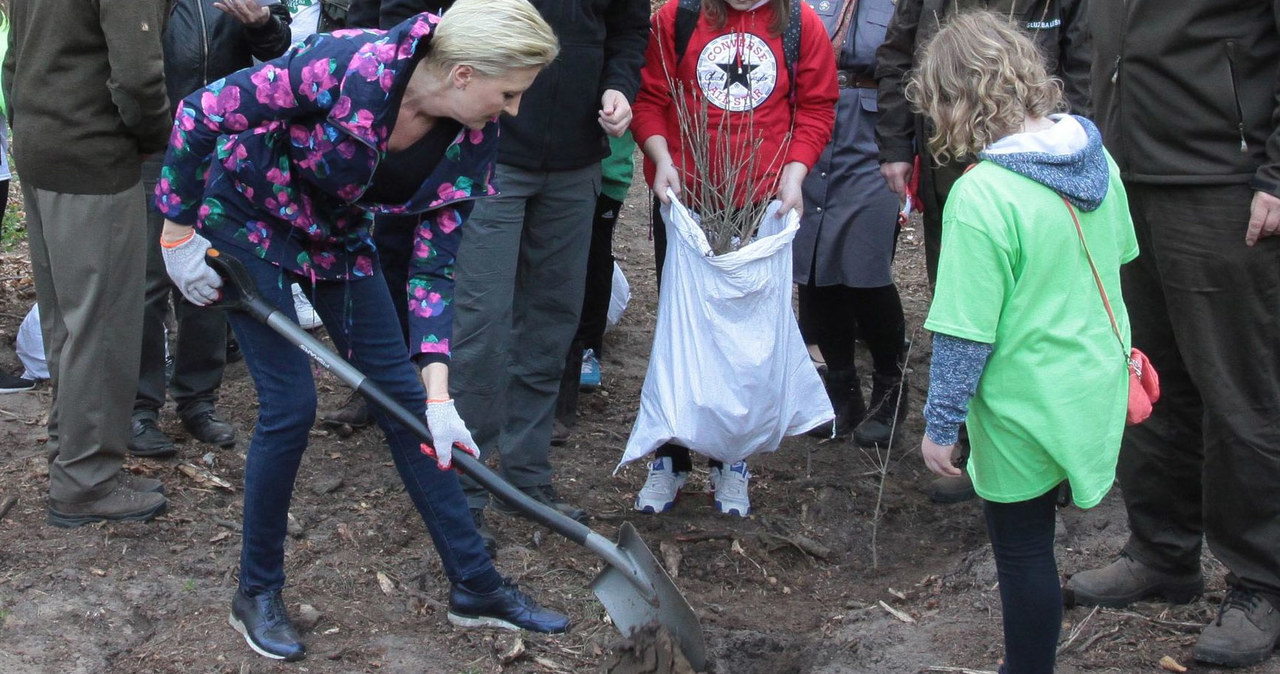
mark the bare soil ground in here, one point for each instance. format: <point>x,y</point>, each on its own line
<point>883,581</point>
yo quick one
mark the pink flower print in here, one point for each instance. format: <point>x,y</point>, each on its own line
<point>350,192</point>
<point>258,233</point>
<point>220,109</point>
<point>317,79</point>
<point>272,87</point>
<point>346,149</point>
<point>448,192</point>
<point>324,259</point>
<point>448,220</point>
<point>432,345</point>
<point>277,176</point>
<point>425,303</point>
<point>300,136</point>
<point>475,136</point>
<point>364,266</point>
<point>341,107</point>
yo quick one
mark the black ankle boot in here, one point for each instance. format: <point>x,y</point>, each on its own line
<point>888,408</point>
<point>845,392</point>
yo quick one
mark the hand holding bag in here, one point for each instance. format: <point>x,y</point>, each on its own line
<point>1144,382</point>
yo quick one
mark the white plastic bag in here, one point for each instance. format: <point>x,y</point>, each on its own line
<point>30,346</point>
<point>619,297</point>
<point>729,374</point>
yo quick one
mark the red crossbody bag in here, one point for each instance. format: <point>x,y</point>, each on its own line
<point>1144,383</point>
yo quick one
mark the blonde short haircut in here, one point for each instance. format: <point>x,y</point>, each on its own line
<point>493,37</point>
<point>976,80</point>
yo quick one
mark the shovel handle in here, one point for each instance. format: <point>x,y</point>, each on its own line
<point>239,294</point>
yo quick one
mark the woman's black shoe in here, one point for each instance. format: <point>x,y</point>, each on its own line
<point>266,627</point>
<point>506,607</point>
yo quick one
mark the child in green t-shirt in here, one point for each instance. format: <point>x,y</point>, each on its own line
<point>1023,349</point>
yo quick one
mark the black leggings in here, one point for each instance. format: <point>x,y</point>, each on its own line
<point>834,317</point>
<point>1022,538</point>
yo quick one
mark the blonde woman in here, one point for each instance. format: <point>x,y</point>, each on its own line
<point>1023,347</point>
<point>281,166</point>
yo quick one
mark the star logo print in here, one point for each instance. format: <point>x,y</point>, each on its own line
<point>737,72</point>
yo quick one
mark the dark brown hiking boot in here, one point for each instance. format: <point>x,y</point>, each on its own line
<point>140,483</point>
<point>1245,632</point>
<point>948,489</point>
<point>120,505</point>
<point>352,415</point>
<point>1127,580</point>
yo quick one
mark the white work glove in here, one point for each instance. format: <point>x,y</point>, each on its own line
<point>185,263</point>
<point>448,431</point>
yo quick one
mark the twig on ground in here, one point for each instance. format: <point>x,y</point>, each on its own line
<point>957,670</point>
<point>883,460</point>
<point>1098,637</point>
<point>1075,631</point>
<point>1177,626</point>
<point>7,506</point>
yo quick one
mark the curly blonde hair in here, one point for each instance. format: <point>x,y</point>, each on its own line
<point>976,81</point>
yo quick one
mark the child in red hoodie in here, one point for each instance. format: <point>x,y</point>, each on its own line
<point>734,66</point>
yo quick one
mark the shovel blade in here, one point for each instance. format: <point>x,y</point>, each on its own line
<point>629,609</point>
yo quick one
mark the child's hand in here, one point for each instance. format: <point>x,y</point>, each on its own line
<point>937,458</point>
<point>666,176</point>
<point>615,113</point>
<point>790,190</point>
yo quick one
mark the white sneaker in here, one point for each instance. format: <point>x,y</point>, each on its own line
<point>661,489</point>
<point>307,317</point>
<point>729,487</point>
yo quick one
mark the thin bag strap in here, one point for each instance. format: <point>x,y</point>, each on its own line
<point>842,28</point>
<point>1096,278</point>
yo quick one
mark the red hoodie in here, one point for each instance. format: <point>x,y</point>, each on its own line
<point>740,71</point>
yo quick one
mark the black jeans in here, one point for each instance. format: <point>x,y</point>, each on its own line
<point>1206,309</point>
<point>1030,596</point>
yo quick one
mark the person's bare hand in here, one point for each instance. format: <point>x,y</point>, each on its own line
<point>897,174</point>
<point>247,12</point>
<point>615,113</point>
<point>666,176</point>
<point>937,458</point>
<point>790,187</point>
<point>1264,217</point>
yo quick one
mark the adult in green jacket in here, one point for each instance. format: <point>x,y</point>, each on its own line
<point>1189,104</point>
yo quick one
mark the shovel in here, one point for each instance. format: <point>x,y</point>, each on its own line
<point>634,589</point>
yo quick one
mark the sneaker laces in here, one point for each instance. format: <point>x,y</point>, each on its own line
<point>733,483</point>
<point>273,610</point>
<point>661,481</point>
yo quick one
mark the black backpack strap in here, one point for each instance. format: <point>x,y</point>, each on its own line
<point>791,45</point>
<point>686,20</point>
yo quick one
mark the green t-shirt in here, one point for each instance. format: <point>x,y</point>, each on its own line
<point>1051,402</point>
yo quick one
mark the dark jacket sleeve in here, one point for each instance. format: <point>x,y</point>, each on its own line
<point>626,26</point>
<point>895,126</point>
<point>273,37</point>
<point>1267,177</point>
<point>1075,57</point>
<point>394,12</point>
<point>136,58</point>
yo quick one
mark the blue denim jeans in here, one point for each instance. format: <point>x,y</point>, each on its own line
<point>361,320</point>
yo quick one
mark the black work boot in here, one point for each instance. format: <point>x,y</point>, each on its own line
<point>266,627</point>
<point>888,410</point>
<point>845,392</point>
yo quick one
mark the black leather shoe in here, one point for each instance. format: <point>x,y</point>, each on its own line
<point>506,607</point>
<point>148,441</point>
<point>546,495</point>
<point>486,534</point>
<point>208,428</point>
<point>266,627</point>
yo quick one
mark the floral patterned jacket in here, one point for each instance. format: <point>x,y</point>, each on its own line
<point>275,159</point>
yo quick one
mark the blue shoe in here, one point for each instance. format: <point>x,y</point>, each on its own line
<point>590,379</point>
<point>266,627</point>
<point>506,607</point>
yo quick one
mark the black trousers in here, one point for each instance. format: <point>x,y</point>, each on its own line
<point>200,353</point>
<point>1030,596</point>
<point>835,317</point>
<point>1206,309</point>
